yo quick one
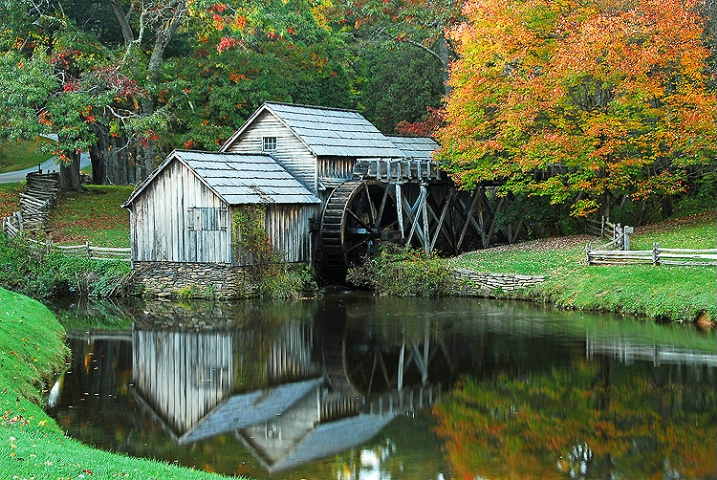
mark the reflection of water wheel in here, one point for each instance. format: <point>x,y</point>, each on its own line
<point>369,369</point>
<point>358,215</point>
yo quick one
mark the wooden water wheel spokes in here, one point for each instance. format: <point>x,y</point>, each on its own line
<point>358,215</point>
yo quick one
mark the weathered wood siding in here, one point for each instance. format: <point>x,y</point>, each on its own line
<point>183,376</point>
<point>336,167</point>
<point>290,151</point>
<point>287,227</point>
<point>178,219</point>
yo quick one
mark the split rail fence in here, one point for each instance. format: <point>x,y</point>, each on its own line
<point>617,250</point>
<point>656,256</point>
<point>36,200</point>
<point>12,227</point>
<point>619,235</point>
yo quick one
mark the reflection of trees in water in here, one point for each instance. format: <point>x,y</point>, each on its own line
<point>516,417</point>
<point>98,374</point>
<point>596,420</point>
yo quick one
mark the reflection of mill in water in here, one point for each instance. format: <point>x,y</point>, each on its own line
<point>290,397</point>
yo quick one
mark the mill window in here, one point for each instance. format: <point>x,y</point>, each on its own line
<point>269,144</point>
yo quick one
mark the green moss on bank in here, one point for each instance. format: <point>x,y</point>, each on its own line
<point>32,445</point>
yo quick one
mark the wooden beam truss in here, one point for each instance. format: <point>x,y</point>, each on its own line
<point>440,216</point>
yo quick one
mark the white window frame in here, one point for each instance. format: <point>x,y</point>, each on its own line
<point>268,144</point>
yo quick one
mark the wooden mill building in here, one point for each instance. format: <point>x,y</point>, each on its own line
<point>288,159</point>
<point>320,146</point>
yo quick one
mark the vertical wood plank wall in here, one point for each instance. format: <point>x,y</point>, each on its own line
<point>183,375</point>
<point>287,227</point>
<point>336,167</point>
<point>161,230</point>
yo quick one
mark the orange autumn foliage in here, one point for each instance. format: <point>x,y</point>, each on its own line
<point>606,96</point>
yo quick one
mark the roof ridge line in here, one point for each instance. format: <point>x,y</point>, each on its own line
<point>315,107</point>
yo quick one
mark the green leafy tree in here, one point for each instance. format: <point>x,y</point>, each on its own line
<point>402,82</point>
<point>236,67</point>
<point>115,91</point>
<point>401,50</point>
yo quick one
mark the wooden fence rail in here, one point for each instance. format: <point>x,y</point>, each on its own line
<point>656,256</point>
<point>600,228</point>
<point>40,194</point>
<point>95,253</point>
<point>12,226</point>
<point>619,235</point>
<point>86,251</point>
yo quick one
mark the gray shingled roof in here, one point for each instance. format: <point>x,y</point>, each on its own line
<point>239,178</point>
<point>418,148</point>
<point>328,131</point>
<point>243,410</point>
<point>333,437</point>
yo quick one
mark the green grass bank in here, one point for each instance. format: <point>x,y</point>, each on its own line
<point>663,293</point>
<point>32,445</point>
<point>22,154</point>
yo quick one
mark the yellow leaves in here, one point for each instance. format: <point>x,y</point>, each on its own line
<point>601,88</point>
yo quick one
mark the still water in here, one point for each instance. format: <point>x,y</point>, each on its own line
<point>353,386</point>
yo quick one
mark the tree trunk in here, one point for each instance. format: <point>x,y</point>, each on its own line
<point>70,173</point>
<point>110,161</point>
<point>445,63</point>
<point>98,154</point>
<point>147,148</point>
<point>98,165</point>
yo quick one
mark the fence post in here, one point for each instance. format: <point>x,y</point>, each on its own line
<point>587,254</point>
<point>602,227</point>
<point>656,253</point>
<point>87,246</point>
<point>626,231</point>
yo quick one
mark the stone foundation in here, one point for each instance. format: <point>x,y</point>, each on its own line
<point>191,280</point>
<point>484,282</point>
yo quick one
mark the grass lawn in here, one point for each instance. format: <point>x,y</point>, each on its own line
<point>32,445</point>
<point>9,199</point>
<point>660,292</point>
<point>92,216</point>
<point>21,154</point>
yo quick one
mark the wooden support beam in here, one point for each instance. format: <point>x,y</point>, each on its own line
<point>498,207</point>
<point>413,214</point>
<point>424,214</point>
<point>399,210</point>
<point>440,222</point>
<point>468,215</point>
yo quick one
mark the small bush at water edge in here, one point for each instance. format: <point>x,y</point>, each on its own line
<point>404,272</point>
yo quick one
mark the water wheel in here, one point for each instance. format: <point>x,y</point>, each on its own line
<point>359,214</point>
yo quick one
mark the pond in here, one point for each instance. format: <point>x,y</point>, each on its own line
<point>354,386</point>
